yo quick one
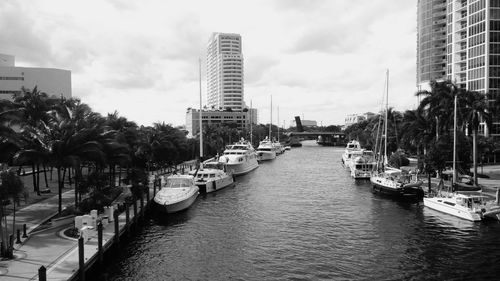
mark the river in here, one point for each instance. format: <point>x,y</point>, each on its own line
<point>302,217</point>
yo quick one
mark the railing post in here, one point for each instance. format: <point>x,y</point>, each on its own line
<point>142,204</point>
<point>117,227</point>
<point>127,214</point>
<point>42,273</point>
<point>81,259</point>
<point>18,240</point>
<point>135,209</point>
<point>99,242</point>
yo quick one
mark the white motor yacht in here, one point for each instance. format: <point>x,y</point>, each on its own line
<point>266,150</point>
<point>177,194</point>
<point>352,150</point>
<point>239,158</point>
<point>363,165</point>
<point>212,176</point>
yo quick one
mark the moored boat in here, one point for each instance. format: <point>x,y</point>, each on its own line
<point>212,176</point>
<point>471,205</point>
<point>397,184</point>
<point>266,150</point>
<point>362,166</point>
<point>239,158</point>
<point>177,194</point>
<point>352,150</point>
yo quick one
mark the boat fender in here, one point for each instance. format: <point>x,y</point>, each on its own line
<point>234,178</point>
<point>214,186</point>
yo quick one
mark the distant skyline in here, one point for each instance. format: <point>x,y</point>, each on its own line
<point>320,60</point>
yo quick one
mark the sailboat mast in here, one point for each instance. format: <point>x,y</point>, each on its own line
<point>251,121</point>
<point>271,121</point>
<point>201,127</point>
<point>386,109</point>
<point>454,142</point>
<point>278,124</point>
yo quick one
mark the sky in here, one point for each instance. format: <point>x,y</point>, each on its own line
<point>318,59</point>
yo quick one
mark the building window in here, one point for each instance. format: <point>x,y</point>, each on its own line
<point>11,78</point>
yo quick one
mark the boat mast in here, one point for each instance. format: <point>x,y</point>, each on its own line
<point>271,121</point>
<point>278,124</point>
<point>386,109</point>
<point>251,121</point>
<point>201,127</point>
<point>454,142</point>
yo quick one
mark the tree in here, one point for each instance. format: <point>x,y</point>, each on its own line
<point>475,109</point>
<point>12,187</point>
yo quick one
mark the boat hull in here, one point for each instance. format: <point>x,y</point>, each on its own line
<point>265,155</point>
<point>443,206</point>
<point>177,206</point>
<point>215,185</point>
<point>407,193</point>
<point>243,168</point>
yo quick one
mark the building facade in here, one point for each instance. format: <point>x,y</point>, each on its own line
<point>239,119</point>
<point>431,40</point>
<point>356,118</point>
<point>54,82</point>
<point>225,83</point>
<point>472,50</point>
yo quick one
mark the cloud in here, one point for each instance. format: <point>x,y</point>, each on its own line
<point>20,35</point>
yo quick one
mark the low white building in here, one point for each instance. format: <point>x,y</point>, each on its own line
<point>54,82</point>
<point>240,119</point>
<point>356,118</point>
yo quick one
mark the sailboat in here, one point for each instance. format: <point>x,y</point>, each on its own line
<point>390,181</point>
<point>266,149</point>
<point>468,205</point>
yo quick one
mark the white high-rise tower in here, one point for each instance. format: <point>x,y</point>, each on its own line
<point>225,72</point>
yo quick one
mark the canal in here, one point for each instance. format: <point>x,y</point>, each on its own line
<point>302,217</point>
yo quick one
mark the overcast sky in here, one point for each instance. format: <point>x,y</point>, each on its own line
<point>318,59</point>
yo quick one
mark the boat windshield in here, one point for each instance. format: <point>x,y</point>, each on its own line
<point>179,182</point>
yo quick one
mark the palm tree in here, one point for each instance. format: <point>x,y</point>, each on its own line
<point>11,187</point>
<point>474,110</point>
<point>438,103</point>
<point>417,130</point>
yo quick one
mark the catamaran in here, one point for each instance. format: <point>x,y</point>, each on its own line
<point>471,205</point>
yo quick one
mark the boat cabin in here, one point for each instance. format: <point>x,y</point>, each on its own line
<point>179,181</point>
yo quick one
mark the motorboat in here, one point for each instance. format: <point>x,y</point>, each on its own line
<point>178,193</point>
<point>468,205</point>
<point>266,150</point>
<point>212,176</point>
<point>280,148</point>
<point>363,165</point>
<point>352,150</point>
<point>239,158</point>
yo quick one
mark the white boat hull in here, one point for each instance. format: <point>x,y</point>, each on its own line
<point>177,206</point>
<point>242,168</point>
<point>442,204</point>
<point>214,185</point>
<point>266,155</point>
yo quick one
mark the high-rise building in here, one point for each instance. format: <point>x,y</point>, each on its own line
<point>472,40</point>
<point>225,72</point>
<point>431,38</point>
